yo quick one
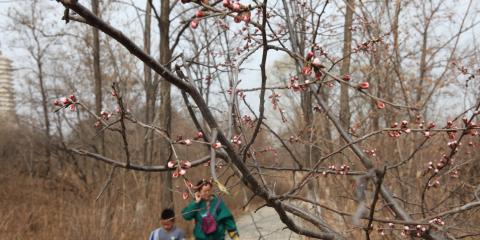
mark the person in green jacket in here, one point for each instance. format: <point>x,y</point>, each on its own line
<point>206,201</point>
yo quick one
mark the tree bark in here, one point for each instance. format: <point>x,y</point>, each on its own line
<point>97,75</point>
<point>345,114</point>
<point>165,117</point>
<point>150,91</point>
<point>45,115</point>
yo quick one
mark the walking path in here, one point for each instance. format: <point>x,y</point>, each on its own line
<point>264,224</point>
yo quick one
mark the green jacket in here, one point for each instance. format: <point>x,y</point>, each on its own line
<point>223,216</point>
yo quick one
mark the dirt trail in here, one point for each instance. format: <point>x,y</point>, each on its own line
<point>264,224</point>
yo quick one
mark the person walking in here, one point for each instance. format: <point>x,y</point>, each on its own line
<point>168,231</point>
<point>212,216</point>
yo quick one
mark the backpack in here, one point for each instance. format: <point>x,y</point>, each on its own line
<point>209,225</point>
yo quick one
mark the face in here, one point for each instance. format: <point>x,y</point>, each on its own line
<point>206,192</point>
<point>167,224</point>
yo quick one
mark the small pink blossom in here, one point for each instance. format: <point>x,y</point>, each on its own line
<point>171,164</point>
<point>186,164</point>
<point>56,102</point>
<point>363,85</point>
<point>194,23</point>
<point>380,105</point>
<point>200,14</point>
<point>310,55</point>
<point>217,145</point>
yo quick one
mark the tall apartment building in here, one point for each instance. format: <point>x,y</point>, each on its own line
<point>7,102</point>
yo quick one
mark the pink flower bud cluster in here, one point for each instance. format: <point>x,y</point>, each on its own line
<point>313,63</point>
<point>189,186</point>
<point>443,162</point>
<point>434,183</point>
<point>105,116</point>
<point>341,170</point>
<point>293,139</point>
<point>248,121</point>
<point>236,140</point>
<point>367,46</point>
<point>240,94</point>
<point>371,152</point>
<point>406,230</point>
<point>65,102</point>
<point>181,166</point>
<point>403,128</point>
<point>296,86</point>
<point>430,125</point>
<point>437,221</point>
<point>470,127</point>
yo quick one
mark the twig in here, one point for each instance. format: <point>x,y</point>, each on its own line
<point>374,202</point>
<point>109,180</point>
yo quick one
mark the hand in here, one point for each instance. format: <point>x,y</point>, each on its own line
<point>233,235</point>
<point>198,197</point>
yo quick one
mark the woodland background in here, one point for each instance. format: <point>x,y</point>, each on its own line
<point>421,60</point>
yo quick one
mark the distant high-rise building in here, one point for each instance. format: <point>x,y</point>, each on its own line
<point>7,102</point>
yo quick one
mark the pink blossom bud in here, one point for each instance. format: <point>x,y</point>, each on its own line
<point>236,6</point>
<point>186,164</point>
<point>171,164</point>
<point>73,98</point>
<point>199,134</point>
<point>363,85</point>
<point>317,63</point>
<point>175,174</point>
<point>56,102</point>
<point>346,77</point>
<point>187,142</point>
<point>65,101</point>
<point>72,107</point>
<point>380,105</point>
<point>194,23</point>
<point>200,14</point>
<point>185,195</point>
<point>307,70</point>
<point>309,55</point>
<point>217,145</point>
<point>237,19</point>
<point>182,171</point>
<point>226,3</point>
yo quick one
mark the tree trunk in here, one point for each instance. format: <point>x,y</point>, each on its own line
<point>47,165</point>
<point>347,47</point>
<point>149,96</point>
<point>165,117</point>
<point>97,75</point>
